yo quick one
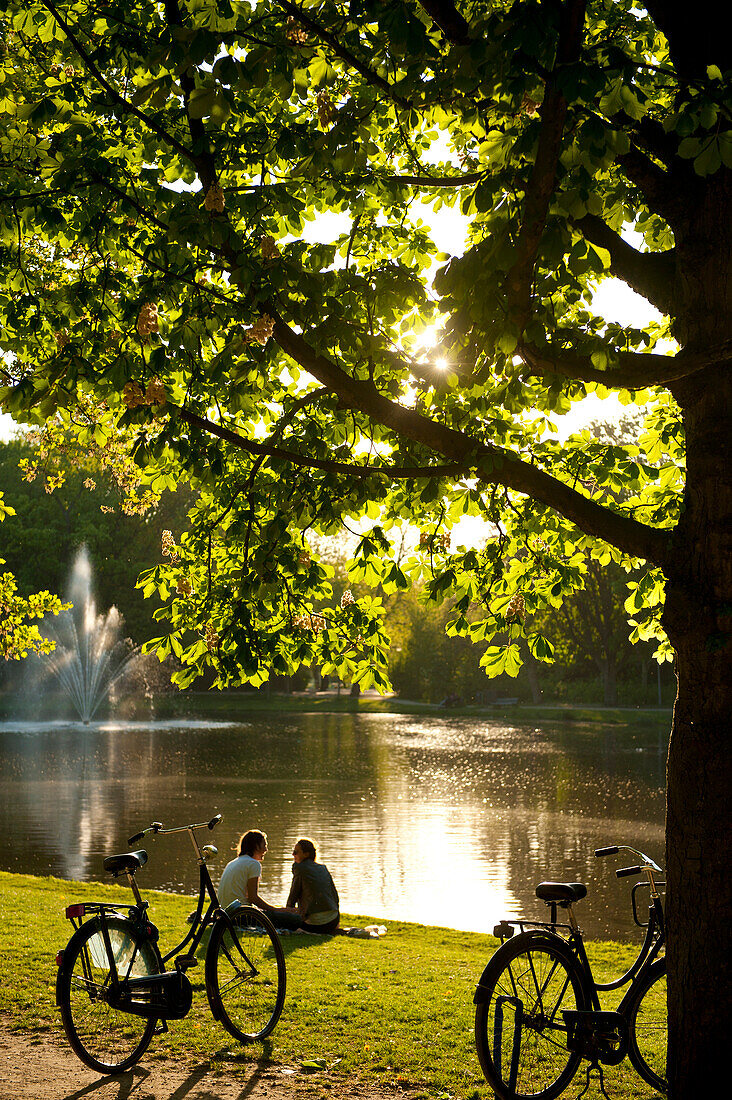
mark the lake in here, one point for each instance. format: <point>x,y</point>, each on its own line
<point>442,820</point>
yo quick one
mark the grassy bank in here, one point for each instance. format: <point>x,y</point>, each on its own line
<point>393,1011</point>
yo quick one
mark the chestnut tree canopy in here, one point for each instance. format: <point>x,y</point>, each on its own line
<point>164,165</point>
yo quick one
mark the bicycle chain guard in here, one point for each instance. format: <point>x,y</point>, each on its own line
<point>165,996</point>
<point>597,1036</point>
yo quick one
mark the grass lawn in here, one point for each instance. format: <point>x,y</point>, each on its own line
<point>393,1011</point>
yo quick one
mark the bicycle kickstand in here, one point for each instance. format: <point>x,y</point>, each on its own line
<point>596,1066</point>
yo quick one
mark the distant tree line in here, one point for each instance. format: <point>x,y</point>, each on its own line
<point>40,541</point>
<point>594,660</point>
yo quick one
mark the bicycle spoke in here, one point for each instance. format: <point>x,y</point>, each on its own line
<point>246,986</point>
<point>520,1033</point>
<point>242,953</point>
<point>101,1032</point>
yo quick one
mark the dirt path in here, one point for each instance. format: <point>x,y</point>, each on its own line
<point>42,1067</point>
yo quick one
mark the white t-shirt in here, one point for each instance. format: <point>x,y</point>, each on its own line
<point>234,879</point>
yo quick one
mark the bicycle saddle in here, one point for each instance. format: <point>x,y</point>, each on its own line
<point>128,861</point>
<point>563,893</point>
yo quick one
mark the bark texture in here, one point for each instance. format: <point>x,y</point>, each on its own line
<point>698,618</point>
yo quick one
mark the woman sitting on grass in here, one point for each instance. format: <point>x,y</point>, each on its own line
<point>240,877</point>
<point>313,897</point>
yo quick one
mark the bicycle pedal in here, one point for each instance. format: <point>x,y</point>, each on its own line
<point>185,962</point>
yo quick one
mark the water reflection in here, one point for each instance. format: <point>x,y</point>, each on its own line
<point>443,821</point>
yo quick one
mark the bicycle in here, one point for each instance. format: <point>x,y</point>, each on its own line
<point>112,987</point>
<point>538,1013</point>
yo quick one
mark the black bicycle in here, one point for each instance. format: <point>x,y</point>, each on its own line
<point>112,986</point>
<point>538,1013</point>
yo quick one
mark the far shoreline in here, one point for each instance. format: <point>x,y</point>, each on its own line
<point>237,704</point>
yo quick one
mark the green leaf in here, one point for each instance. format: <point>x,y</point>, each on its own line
<point>201,102</point>
<point>709,159</point>
<point>314,1064</point>
<point>689,147</point>
<point>321,72</point>
<point>540,647</point>
<point>725,147</point>
<point>507,342</point>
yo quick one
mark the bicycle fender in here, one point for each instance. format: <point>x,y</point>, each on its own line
<point>58,985</point>
<point>67,954</point>
<point>533,937</point>
<point>150,933</point>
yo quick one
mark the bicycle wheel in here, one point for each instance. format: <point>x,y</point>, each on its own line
<point>245,974</point>
<point>104,1037</point>
<point>520,1034</point>
<point>648,1027</point>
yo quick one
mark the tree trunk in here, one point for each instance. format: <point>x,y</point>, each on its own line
<point>532,676</point>
<point>609,682</point>
<point>698,619</point>
<point>698,859</point>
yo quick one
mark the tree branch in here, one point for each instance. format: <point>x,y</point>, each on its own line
<point>543,176</point>
<point>340,51</point>
<point>465,180</point>
<point>105,182</point>
<point>310,462</point>
<point>204,161</point>
<point>651,274</point>
<point>452,24</point>
<point>128,107</point>
<point>493,465</point>
<point>635,370</point>
<point>664,192</point>
<point>651,136</point>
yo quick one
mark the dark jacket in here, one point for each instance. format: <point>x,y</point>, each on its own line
<point>313,889</point>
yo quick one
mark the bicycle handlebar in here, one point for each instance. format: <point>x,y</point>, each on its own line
<point>157,827</point>
<point>646,862</point>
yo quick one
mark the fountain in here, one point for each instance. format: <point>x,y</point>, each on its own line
<point>89,656</point>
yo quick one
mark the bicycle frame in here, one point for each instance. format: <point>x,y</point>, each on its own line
<point>652,945</point>
<point>653,941</point>
<point>201,921</point>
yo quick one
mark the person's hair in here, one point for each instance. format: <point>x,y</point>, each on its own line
<point>307,847</point>
<point>250,841</point>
